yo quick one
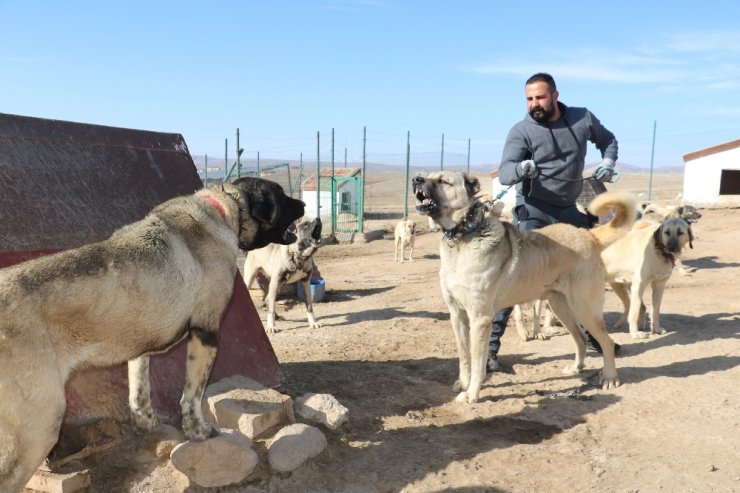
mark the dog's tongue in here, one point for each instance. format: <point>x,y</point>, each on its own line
<point>426,202</point>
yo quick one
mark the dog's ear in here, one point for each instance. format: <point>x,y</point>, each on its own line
<point>472,185</point>
<point>658,238</point>
<point>691,236</point>
<point>679,211</point>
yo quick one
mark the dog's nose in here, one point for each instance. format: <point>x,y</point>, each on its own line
<point>417,180</point>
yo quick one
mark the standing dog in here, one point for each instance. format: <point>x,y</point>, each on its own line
<point>150,284</point>
<point>404,237</point>
<point>286,263</point>
<point>645,257</point>
<point>487,265</point>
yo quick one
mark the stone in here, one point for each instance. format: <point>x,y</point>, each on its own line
<point>219,461</point>
<point>242,404</point>
<point>293,445</point>
<point>322,409</point>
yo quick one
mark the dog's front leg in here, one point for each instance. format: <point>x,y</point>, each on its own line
<point>480,332</point>
<point>636,305</point>
<point>308,295</point>
<point>461,329</point>
<point>270,302</point>
<point>411,250</point>
<point>658,290</point>
<point>202,344</point>
<point>139,395</point>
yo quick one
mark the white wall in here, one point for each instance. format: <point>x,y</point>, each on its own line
<point>701,177</point>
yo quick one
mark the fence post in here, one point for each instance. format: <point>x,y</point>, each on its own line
<point>238,156</point>
<point>226,159</point>
<point>362,194</point>
<point>406,189</point>
<point>468,156</point>
<point>442,157</point>
<point>318,174</point>
<point>333,193</point>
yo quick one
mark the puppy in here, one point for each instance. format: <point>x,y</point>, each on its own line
<point>645,257</point>
<point>146,287</point>
<point>404,237</point>
<point>284,264</point>
<point>486,265</point>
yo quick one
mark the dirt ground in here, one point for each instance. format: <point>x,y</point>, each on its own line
<point>386,351</point>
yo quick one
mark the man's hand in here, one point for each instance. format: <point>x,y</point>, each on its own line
<point>527,169</point>
<point>605,171</point>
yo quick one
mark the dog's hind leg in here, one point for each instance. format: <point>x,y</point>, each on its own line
<point>411,250</point>
<point>399,242</point>
<point>562,310</point>
<point>519,323</point>
<point>139,395</point>
<point>202,345</point>
<point>622,292</point>
<point>636,307</point>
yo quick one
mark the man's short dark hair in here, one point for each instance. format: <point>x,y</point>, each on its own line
<point>543,77</point>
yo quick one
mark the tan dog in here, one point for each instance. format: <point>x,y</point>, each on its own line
<point>404,238</point>
<point>487,265</point>
<point>284,264</point>
<point>645,257</point>
<point>140,291</point>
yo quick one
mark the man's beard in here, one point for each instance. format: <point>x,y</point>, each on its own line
<point>540,114</point>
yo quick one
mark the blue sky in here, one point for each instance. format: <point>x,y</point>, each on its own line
<point>282,70</point>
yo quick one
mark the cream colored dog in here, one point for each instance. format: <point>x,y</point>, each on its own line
<point>404,237</point>
<point>645,257</point>
<point>655,213</point>
<point>487,265</point>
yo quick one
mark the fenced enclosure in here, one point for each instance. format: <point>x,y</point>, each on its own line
<point>370,187</point>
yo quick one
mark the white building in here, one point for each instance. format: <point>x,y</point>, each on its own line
<point>712,176</point>
<point>348,192</point>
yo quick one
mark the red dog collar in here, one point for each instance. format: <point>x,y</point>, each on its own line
<point>216,204</point>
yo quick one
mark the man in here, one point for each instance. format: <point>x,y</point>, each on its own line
<point>544,156</point>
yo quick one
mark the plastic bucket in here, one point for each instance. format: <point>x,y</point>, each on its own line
<point>318,289</point>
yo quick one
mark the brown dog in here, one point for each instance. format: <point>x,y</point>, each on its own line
<point>150,284</point>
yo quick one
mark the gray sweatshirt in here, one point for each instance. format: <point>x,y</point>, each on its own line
<point>559,150</point>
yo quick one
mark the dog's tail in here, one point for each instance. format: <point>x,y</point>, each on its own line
<point>625,214</point>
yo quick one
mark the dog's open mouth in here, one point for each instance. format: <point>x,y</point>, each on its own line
<point>425,202</point>
<point>316,232</point>
<point>289,237</point>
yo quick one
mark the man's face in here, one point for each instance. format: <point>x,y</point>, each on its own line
<point>541,103</point>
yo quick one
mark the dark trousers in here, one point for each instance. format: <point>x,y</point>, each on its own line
<point>529,216</point>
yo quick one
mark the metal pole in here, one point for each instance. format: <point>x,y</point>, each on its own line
<point>318,173</point>
<point>226,159</point>
<point>652,158</point>
<point>205,170</point>
<point>362,195</point>
<point>333,188</point>
<point>406,187</point>
<point>258,164</point>
<point>442,157</point>
<point>238,156</point>
<point>468,156</point>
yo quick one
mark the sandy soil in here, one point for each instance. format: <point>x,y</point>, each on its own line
<point>386,351</point>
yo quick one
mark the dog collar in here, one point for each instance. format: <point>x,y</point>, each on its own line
<point>216,205</point>
<point>467,226</point>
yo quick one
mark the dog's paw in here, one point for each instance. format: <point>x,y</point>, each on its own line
<point>467,397</point>
<point>144,421</point>
<point>609,382</point>
<point>659,331</point>
<point>198,430</point>
<point>540,336</point>
<point>315,325</point>
<point>271,329</point>
<point>639,335</point>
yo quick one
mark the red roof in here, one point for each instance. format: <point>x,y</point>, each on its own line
<point>310,182</point>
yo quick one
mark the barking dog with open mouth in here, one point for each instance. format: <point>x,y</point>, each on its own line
<point>146,287</point>
<point>404,237</point>
<point>645,257</point>
<point>284,264</point>
<point>487,265</point>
